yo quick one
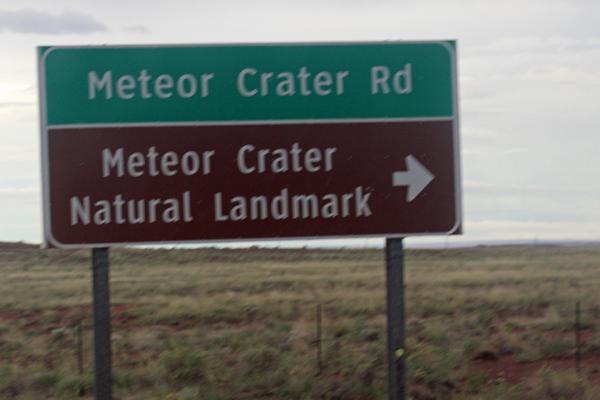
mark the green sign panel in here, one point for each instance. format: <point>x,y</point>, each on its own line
<point>206,84</point>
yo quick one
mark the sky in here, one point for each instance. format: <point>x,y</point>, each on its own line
<point>528,78</point>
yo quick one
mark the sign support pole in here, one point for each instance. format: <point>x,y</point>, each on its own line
<point>394,255</point>
<point>102,349</point>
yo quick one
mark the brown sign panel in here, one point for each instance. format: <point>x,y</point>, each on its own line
<point>192,183</point>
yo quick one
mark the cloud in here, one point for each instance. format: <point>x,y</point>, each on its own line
<point>41,22</point>
<point>16,104</point>
<point>20,214</point>
<point>498,230</point>
<point>136,29</point>
<point>19,196</point>
<point>488,189</point>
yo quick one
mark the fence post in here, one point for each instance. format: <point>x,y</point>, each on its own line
<point>80,348</point>
<point>319,340</point>
<point>578,337</point>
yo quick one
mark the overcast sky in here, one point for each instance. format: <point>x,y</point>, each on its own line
<point>529,91</point>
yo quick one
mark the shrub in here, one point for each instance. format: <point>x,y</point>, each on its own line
<point>183,366</point>
<point>555,347</point>
<point>46,380</point>
<point>77,385</point>
<point>559,385</point>
<point>261,358</point>
<point>476,381</point>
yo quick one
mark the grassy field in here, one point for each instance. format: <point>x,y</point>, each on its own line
<point>488,323</point>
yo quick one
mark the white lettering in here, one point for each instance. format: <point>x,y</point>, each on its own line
<point>126,82</point>
<point>95,83</point>
<point>305,200</point>
<point>302,206</point>
<point>167,161</point>
<point>130,211</point>
<point>255,203</point>
<point>80,211</point>
<point>312,156</point>
<point>296,150</point>
<point>163,87</point>
<point>152,209</point>
<point>346,204</point>
<point>205,79</point>
<point>238,212</point>
<point>362,208</point>
<point>118,203</point>
<point>241,84</point>
<point>303,76</point>
<point>340,81</point>
<point>219,208</point>
<point>261,159</point>
<point>379,77</point>
<point>151,156</point>
<point>161,83</point>
<point>286,87</point>
<point>312,160</point>
<point>406,73</point>
<point>190,157</point>
<point>135,160</point>
<point>323,79</point>
<point>241,161</point>
<point>330,209</point>
<point>328,159</point>
<point>102,216</point>
<point>192,83</point>
<point>171,214</point>
<point>280,164</point>
<point>285,83</point>
<point>206,161</point>
<point>131,214</point>
<point>279,205</point>
<point>110,161</point>
<point>402,81</point>
<point>187,207</point>
<point>264,83</point>
<point>144,78</point>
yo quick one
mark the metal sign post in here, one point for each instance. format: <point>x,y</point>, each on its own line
<point>102,348</point>
<point>394,255</point>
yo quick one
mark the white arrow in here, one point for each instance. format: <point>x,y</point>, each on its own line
<point>416,178</point>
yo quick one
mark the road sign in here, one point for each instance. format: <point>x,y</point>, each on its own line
<point>205,143</point>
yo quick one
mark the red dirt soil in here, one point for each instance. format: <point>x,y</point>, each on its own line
<point>507,369</point>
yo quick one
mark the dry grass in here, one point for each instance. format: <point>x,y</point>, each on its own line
<point>240,324</point>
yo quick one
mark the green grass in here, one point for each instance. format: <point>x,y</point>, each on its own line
<point>240,323</point>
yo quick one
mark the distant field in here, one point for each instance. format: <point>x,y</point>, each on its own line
<point>490,323</point>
